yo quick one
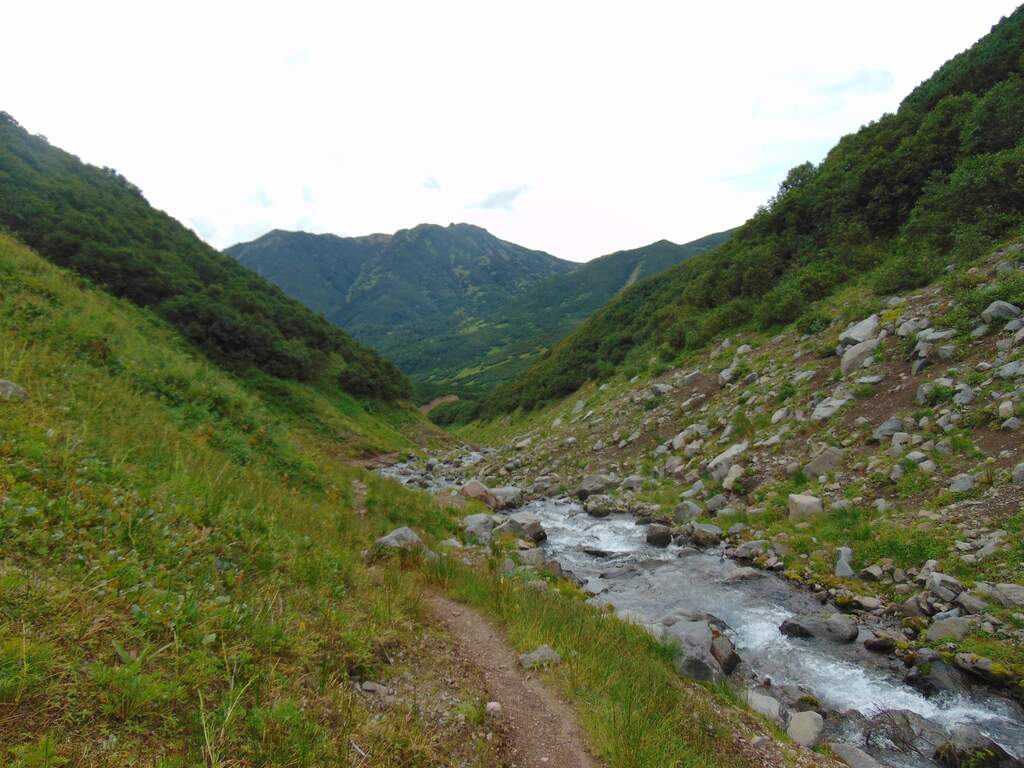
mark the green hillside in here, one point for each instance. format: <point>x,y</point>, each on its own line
<point>96,222</point>
<point>496,347</point>
<point>454,306</point>
<point>892,204</point>
<point>398,292</point>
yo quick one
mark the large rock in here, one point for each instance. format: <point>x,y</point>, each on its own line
<point>802,506</point>
<point>724,652</point>
<point>524,525</point>
<point>477,491</point>
<point>853,756</point>
<point>592,484</point>
<point>401,538</point>
<point>719,466</point>
<point>11,391</point>
<point>1010,595</point>
<point>705,534</point>
<point>659,535</point>
<point>805,728</point>
<point>860,332</point>
<point>935,677</point>
<point>765,705</point>
<point>962,483</point>
<point>967,747</point>
<point>508,496</point>
<point>855,357</point>
<point>887,429</point>
<point>479,526</point>
<point>909,730</point>
<point>824,462</point>
<point>748,550</point>
<point>836,627</point>
<point>1000,310</point>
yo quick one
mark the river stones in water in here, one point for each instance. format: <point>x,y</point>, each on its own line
<point>906,731</point>
<point>836,627</point>
<point>967,746</point>
<point>705,534</point>
<point>659,535</point>
<point>748,550</point>
<point>525,525</point>
<point>934,676</point>
<point>853,756</point>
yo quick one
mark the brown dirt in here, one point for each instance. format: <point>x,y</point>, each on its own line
<point>425,409</point>
<point>540,729</point>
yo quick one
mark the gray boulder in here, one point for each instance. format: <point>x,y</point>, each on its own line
<point>855,357</point>
<point>1000,310</point>
<point>748,550</point>
<point>659,535</point>
<point>805,728</point>
<point>824,462</point>
<point>765,705</point>
<point>524,525</point>
<point>401,538</point>
<point>887,429</point>
<point>962,483</point>
<point>508,496</point>
<point>802,506</point>
<point>860,332</point>
<point>11,391</point>
<point>592,484</point>
<point>853,756</point>
<point>967,746</point>
<point>479,526</point>
<point>705,534</point>
<point>836,627</point>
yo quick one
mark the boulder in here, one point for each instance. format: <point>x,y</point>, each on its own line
<point>508,496</point>
<point>909,730</point>
<point>592,484</point>
<point>401,538</point>
<point>844,557</point>
<point>935,677</point>
<point>544,656</point>
<point>853,756</point>
<point>659,535</point>
<point>860,332</point>
<point>479,526</point>
<point>805,728</point>
<point>724,652</point>
<point>1000,310</point>
<point>802,506</point>
<point>705,534</point>
<point>686,511</point>
<point>11,391</point>
<point>836,627</point>
<point>962,483</point>
<point>855,357</point>
<point>599,505</point>
<point>824,462</point>
<point>477,491</point>
<point>524,525</point>
<point>748,550</point>
<point>967,746</point>
<point>887,429</point>
<point>765,705</point>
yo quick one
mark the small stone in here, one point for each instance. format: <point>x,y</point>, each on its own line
<point>11,391</point>
<point>544,656</point>
<point>493,709</point>
<point>802,506</point>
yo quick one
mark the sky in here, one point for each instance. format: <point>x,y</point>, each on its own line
<point>578,128</point>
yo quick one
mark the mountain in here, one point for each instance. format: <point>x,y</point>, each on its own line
<point>453,306</point>
<point>97,223</point>
<point>891,206</point>
<point>396,291</point>
<point>501,344</point>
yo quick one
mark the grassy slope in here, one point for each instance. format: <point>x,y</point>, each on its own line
<point>180,578</point>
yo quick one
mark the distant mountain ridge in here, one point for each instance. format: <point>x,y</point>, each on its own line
<point>454,306</point>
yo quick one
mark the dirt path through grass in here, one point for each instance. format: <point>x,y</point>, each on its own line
<point>540,730</point>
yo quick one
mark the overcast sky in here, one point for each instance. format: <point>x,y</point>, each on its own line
<point>577,128</point>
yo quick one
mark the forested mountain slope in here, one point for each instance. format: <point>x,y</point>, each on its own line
<point>894,203</point>
<point>97,223</point>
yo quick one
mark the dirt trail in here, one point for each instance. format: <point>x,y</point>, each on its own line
<point>540,730</point>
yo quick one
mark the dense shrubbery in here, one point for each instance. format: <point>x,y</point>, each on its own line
<point>902,198</point>
<point>94,221</point>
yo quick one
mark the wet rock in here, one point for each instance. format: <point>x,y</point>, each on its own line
<point>805,728</point>
<point>836,627</point>
<point>853,756</point>
<point>524,525</point>
<point>935,677</point>
<point>907,731</point>
<point>881,642</point>
<point>544,656</point>
<point>659,535</point>
<point>724,652</point>
<point>477,491</point>
<point>802,505</point>
<point>967,747</point>
<point>11,391</point>
<point>765,705</point>
<point>599,505</point>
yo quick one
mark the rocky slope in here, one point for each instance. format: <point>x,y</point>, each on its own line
<point>877,463</point>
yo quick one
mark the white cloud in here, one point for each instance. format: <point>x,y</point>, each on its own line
<point>628,122</point>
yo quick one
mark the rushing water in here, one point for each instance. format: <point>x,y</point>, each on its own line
<point>612,558</point>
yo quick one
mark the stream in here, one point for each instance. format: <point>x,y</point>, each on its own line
<point>615,564</point>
